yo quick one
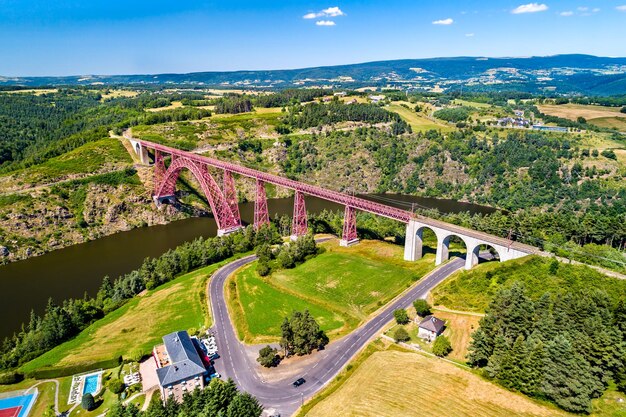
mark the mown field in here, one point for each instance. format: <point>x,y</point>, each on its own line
<point>473,290</point>
<point>134,329</point>
<point>398,383</point>
<point>341,288</point>
<point>95,157</point>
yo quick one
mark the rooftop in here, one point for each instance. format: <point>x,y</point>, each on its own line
<point>432,324</point>
<point>184,361</point>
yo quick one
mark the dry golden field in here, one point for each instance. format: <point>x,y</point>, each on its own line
<point>395,383</point>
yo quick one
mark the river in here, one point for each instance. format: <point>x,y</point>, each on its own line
<point>79,269</point>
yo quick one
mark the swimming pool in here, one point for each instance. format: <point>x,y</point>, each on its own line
<point>92,383</point>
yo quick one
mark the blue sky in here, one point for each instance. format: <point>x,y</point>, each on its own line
<point>73,37</point>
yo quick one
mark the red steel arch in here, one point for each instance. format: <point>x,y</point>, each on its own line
<point>222,211</point>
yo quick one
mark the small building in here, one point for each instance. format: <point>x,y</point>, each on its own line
<point>430,327</point>
<point>179,365</point>
<point>376,99</point>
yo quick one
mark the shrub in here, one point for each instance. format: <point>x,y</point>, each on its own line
<point>11,377</point>
<point>285,260</point>
<point>608,153</point>
<point>401,316</point>
<point>623,110</point>
<point>88,403</point>
<point>442,346</point>
<point>268,356</point>
<point>422,308</point>
<point>116,386</point>
<point>262,268</point>
<point>401,335</point>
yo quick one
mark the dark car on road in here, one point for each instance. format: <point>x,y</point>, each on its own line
<point>215,356</point>
<point>298,382</point>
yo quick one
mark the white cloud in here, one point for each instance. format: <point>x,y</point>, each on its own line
<point>621,8</point>
<point>567,13</point>
<point>583,9</point>
<point>530,8</point>
<point>328,12</point>
<point>445,22</point>
<point>333,12</point>
<point>469,35</point>
<point>596,10</point>
<point>325,23</point>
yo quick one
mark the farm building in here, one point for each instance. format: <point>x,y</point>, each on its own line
<point>430,327</point>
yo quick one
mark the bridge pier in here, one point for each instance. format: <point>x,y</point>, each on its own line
<point>230,194</point>
<point>141,151</point>
<point>261,215</point>
<point>299,226</point>
<point>349,236</point>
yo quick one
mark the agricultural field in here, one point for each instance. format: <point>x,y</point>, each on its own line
<point>417,121</point>
<point>341,287</point>
<point>473,290</point>
<point>602,116</point>
<point>102,156</point>
<point>573,111</point>
<point>213,131</point>
<point>391,382</point>
<point>132,330</point>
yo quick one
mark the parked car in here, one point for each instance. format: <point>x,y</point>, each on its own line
<point>214,356</point>
<point>298,382</point>
<point>215,375</point>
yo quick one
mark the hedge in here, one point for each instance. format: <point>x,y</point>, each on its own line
<point>57,372</point>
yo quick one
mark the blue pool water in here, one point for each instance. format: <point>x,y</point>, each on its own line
<point>25,401</point>
<point>91,384</point>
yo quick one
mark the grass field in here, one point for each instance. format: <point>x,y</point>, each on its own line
<point>473,290</point>
<point>573,111</point>
<point>94,157</point>
<point>133,329</point>
<point>418,122</point>
<point>618,123</point>
<point>341,288</point>
<point>398,383</point>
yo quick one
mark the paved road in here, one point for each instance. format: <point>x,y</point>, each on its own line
<point>281,395</point>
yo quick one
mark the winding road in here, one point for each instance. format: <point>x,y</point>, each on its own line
<point>236,364</point>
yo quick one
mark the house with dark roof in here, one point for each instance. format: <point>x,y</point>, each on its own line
<point>179,365</point>
<point>430,327</point>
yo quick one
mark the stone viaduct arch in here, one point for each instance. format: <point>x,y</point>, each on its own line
<point>413,248</point>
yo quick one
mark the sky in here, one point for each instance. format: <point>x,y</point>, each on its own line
<point>73,37</point>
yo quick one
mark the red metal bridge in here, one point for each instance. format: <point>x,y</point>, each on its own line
<point>222,198</point>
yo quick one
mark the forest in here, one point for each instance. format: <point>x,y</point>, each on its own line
<point>564,347</point>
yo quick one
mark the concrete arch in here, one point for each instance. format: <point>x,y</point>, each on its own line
<point>443,245</point>
<point>473,254</point>
<point>418,240</point>
<point>226,220</point>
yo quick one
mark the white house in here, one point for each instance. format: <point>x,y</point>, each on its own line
<point>430,327</point>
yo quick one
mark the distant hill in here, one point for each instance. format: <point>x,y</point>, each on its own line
<point>558,74</point>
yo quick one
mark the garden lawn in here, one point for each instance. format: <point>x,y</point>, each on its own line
<point>133,329</point>
<point>473,290</point>
<point>341,287</point>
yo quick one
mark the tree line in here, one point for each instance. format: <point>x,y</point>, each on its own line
<point>565,347</point>
<point>220,398</point>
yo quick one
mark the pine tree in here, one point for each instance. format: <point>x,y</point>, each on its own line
<point>500,351</point>
<point>567,377</point>
<point>244,405</point>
